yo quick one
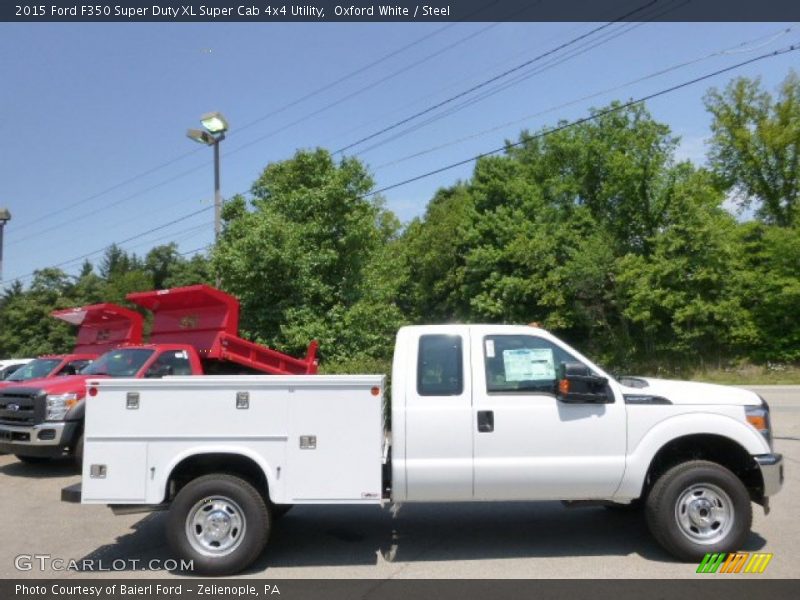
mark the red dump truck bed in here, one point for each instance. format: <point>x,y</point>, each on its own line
<point>208,319</point>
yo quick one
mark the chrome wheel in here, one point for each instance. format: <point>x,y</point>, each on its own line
<point>215,526</point>
<point>704,513</point>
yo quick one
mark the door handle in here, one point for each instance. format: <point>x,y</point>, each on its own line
<point>485,421</point>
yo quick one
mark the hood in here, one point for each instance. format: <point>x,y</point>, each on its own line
<point>688,392</point>
<point>60,385</point>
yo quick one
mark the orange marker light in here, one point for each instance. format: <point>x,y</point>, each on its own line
<point>375,391</point>
<point>758,421</point>
<point>563,387</point>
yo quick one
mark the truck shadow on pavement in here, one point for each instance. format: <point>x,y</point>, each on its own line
<point>362,536</point>
<point>48,469</point>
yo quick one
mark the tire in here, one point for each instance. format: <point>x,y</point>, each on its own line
<point>32,460</point>
<point>699,507</point>
<point>278,510</point>
<point>77,453</point>
<point>226,537</point>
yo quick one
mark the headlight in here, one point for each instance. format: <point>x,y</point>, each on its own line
<point>58,405</point>
<point>758,417</point>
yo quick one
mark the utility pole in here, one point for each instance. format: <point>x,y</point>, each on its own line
<point>5,217</point>
<point>217,193</point>
<point>215,125</point>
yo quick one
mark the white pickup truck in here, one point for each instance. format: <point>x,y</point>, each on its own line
<point>478,413</point>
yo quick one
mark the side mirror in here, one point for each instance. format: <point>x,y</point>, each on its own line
<point>158,371</point>
<point>577,385</point>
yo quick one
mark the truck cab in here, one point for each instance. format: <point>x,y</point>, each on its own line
<point>195,330</point>
<point>47,366</point>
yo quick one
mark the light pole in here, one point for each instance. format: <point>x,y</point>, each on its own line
<point>5,217</point>
<point>215,125</point>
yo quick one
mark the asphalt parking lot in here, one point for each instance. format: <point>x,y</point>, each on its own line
<point>510,540</point>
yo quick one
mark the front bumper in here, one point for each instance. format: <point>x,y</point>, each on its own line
<point>771,466</point>
<point>44,439</point>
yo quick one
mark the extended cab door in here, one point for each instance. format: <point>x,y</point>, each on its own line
<point>528,444</point>
<point>438,415</point>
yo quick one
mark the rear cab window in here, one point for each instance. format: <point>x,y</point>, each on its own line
<point>440,370</point>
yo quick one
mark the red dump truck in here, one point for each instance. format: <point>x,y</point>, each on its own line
<point>100,328</point>
<point>195,332</point>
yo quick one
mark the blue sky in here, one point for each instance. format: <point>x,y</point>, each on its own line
<point>89,107</point>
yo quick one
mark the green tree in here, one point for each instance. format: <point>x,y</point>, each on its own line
<point>768,280</point>
<point>26,327</point>
<point>160,262</point>
<point>195,270</point>
<point>755,146</point>
<point>681,300</point>
<point>434,249</point>
<point>306,258</point>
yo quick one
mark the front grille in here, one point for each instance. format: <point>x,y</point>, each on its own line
<point>21,406</point>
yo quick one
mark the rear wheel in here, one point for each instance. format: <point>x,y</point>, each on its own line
<point>220,522</point>
<point>699,507</point>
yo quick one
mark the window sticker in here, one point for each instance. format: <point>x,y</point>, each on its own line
<point>526,364</point>
<point>489,348</point>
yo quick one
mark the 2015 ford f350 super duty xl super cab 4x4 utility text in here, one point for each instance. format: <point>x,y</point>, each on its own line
<point>478,413</point>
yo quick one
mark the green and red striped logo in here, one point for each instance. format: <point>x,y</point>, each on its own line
<point>734,562</point>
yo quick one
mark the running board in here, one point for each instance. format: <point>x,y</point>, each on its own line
<point>135,509</point>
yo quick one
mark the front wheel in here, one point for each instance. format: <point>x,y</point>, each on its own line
<point>699,507</point>
<point>220,523</point>
<point>77,453</point>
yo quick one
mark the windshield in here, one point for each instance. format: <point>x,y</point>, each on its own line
<point>119,363</point>
<point>41,367</point>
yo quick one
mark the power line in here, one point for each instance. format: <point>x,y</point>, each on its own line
<point>742,47</point>
<point>247,125</point>
<point>582,48</point>
<point>554,62</point>
<point>84,216</point>
<point>592,117</point>
<point>175,236</point>
<point>491,80</point>
<point>360,90</point>
<point>104,248</point>
<point>309,95</point>
<point>195,250</point>
<point>366,67</point>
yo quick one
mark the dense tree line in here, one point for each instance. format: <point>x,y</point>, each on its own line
<point>26,329</point>
<point>596,231</point>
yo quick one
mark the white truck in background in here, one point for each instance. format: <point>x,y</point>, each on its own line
<point>9,365</point>
<point>478,413</point>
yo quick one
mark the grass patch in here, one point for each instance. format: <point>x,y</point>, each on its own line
<point>748,374</point>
